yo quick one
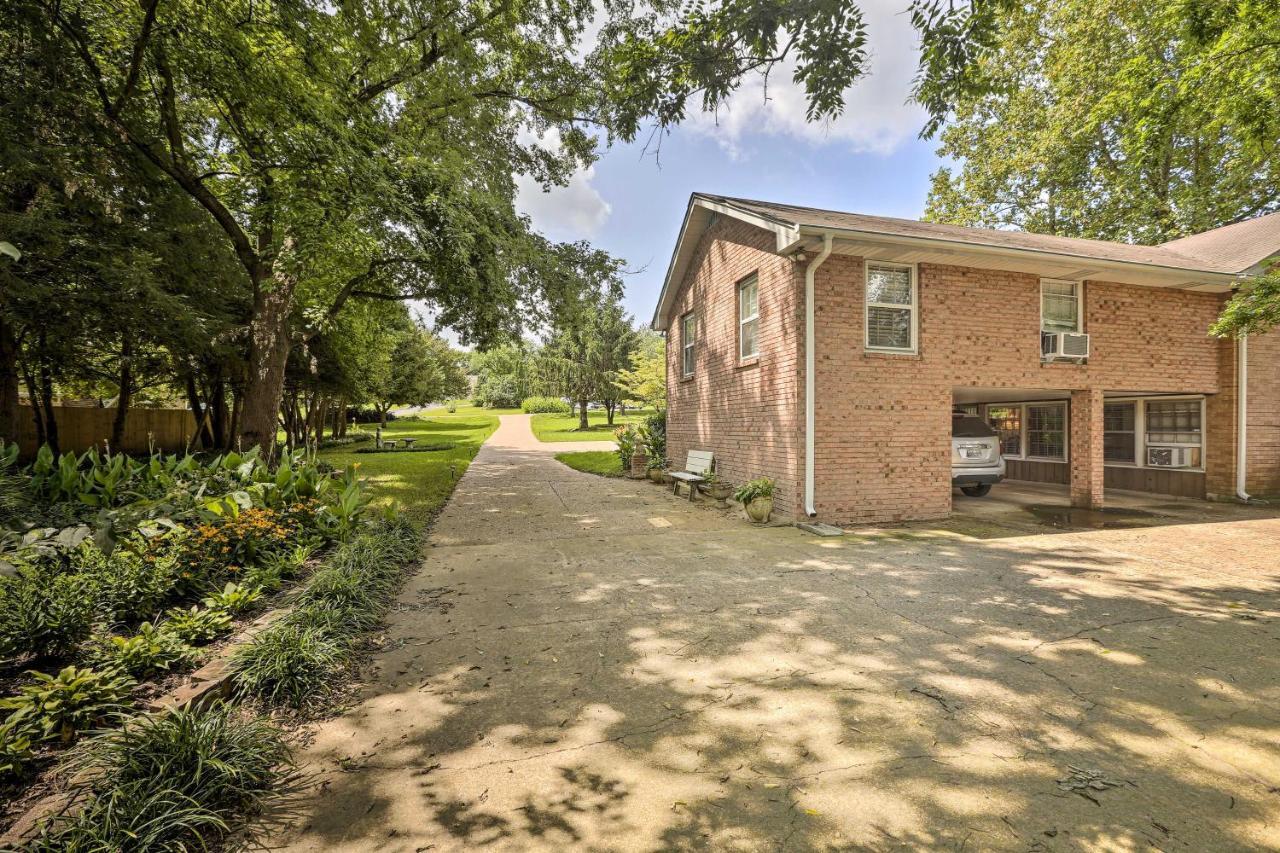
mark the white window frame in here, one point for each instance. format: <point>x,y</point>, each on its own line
<point>1139,424</point>
<point>1066,431</point>
<point>1022,426</point>
<point>688,356</point>
<point>914,307</point>
<point>1078,287</point>
<point>752,280</point>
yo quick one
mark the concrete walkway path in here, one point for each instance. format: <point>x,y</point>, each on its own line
<point>515,432</point>
<point>591,664</point>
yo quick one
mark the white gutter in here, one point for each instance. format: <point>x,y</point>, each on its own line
<point>808,372</point>
<point>1242,416</point>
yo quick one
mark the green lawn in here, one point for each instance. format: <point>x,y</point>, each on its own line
<point>418,483</point>
<point>603,462</point>
<point>565,427</point>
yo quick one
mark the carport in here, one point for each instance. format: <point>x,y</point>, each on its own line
<point>1094,444</point>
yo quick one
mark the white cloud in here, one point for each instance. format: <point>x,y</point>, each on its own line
<point>575,211</point>
<point>876,118</point>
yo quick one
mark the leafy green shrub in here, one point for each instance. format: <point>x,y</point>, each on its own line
<point>288,663</point>
<point>15,751</point>
<point>452,407</point>
<point>62,705</point>
<point>44,612</point>
<point>151,650</point>
<point>128,586</point>
<point>545,405</point>
<point>234,599</point>
<point>173,782</point>
<point>629,438</point>
<point>198,625</point>
<point>655,432</point>
<point>761,487</point>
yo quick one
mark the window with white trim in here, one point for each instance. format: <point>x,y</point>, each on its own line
<point>687,340</point>
<point>890,307</point>
<point>1059,306</point>
<point>1173,433</point>
<point>748,318</point>
<point>1120,433</point>
<point>1007,422</point>
<point>1047,431</point>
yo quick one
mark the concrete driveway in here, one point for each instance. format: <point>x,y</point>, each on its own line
<point>592,664</point>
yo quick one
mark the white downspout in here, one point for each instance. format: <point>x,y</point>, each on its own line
<point>1242,416</point>
<point>808,372</point>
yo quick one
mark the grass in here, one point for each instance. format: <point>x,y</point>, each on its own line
<point>418,484</point>
<point>470,410</point>
<point>565,427</point>
<point>603,462</point>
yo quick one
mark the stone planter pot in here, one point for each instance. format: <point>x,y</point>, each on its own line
<point>657,475</point>
<point>759,510</point>
<point>639,462</point>
<point>719,492</point>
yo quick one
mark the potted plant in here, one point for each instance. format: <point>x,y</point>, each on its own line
<point>631,451</point>
<point>756,498</point>
<point>657,469</point>
<point>718,489</point>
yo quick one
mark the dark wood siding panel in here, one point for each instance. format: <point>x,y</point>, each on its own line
<point>1038,472</point>
<point>1186,484</point>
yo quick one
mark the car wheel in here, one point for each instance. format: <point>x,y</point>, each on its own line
<point>978,491</point>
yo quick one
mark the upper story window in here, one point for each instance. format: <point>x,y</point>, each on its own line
<point>891,307</point>
<point>688,335</point>
<point>1059,306</point>
<point>749,318</point>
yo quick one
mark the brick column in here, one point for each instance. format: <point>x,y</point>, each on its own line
<point>1086,449</point>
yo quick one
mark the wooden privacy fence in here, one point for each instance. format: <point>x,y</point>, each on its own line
<point>80,428</point>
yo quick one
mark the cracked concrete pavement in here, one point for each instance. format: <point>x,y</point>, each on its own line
<point>592,664</point>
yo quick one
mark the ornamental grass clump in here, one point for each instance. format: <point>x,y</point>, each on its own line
<point>173,782</point>
<point>288,663</point>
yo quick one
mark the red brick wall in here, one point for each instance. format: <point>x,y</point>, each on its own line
<point>883,421</point>
<point>1263,435</point>
<point>745,413</point>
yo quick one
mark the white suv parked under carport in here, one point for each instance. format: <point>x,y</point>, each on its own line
<point>976,462</point>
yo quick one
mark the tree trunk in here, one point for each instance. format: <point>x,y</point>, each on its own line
<point>340,419</point>
<point>322,415</point>
<point>220,421</point>
<point>382,415</point>
<point>33,397</point>
<point>46,401</point>
<point>125,397</point>
<point>582,415</point>
<point>10,408</point>
<point>269,346</point>
<point>233,434</point>
<point>609,408</point>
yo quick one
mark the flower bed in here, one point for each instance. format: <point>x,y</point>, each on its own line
<point>117,573</point>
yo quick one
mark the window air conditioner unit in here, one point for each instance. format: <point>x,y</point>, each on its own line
<point>1064,345</point>
<point>1169,457</point>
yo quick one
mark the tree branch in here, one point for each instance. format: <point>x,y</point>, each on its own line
<point>135,61</point>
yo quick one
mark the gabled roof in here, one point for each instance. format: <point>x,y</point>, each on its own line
<point>1229,251</point>
<point>1239,246</point>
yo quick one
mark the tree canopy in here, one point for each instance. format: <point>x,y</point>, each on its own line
<point>1116,120</point>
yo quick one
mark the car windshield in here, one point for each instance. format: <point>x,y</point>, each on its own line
<point>967,426</point>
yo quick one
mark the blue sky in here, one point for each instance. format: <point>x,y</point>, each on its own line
<point>869,160</point>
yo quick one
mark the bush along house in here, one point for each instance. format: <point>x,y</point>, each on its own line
<point>829,350</point>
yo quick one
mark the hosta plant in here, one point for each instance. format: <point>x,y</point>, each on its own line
<point>61,706</point>
<point>149,651</point>
<point>197,625</point>
<point>234,598</point>
<point>128,584</point>
<point>15,751</point>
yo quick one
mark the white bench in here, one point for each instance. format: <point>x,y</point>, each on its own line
<point>695,472</point>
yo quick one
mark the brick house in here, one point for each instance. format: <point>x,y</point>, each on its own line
<point>909,319</point>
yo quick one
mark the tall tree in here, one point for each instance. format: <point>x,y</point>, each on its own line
<point>646,380</point>
<point>1116,120</point>
<point>336,144</point>
<point>585,354</point>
